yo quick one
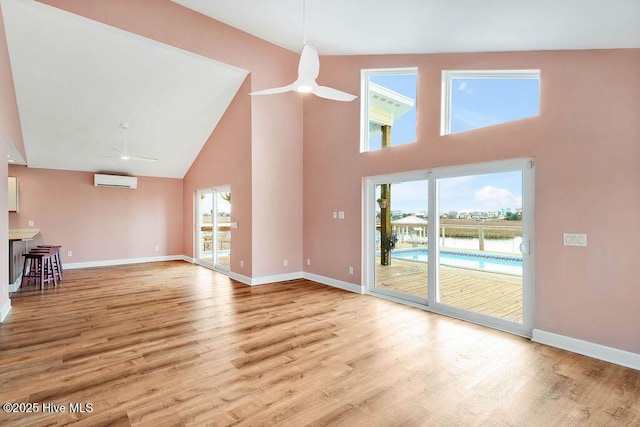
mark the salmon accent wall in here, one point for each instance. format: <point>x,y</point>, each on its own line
<point>9,119</point>
<point>586,143</point>
<point>277,185</point>
<point>225,160</point>
<point>9,129</point>
<point>99,224</point>
<point>4,236</point>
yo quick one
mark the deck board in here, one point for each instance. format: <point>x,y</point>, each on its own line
<point>494,294</point>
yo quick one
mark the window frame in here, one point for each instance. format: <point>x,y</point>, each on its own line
<point>365,73</point>
<point>449,75</point>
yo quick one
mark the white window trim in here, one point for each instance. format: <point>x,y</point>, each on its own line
<point>449,75</point>
<point>364,98</point>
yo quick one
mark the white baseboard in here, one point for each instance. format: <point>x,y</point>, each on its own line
<point>111,262</point>
<point>333,282</point>
<point>6,308</point>
<point>265,280</point>
<point>240,278</point>
<point>597,351</point>
<point>13,287</point>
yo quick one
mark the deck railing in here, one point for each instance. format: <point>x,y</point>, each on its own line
<point>224,241</point>
<point>483,232</point>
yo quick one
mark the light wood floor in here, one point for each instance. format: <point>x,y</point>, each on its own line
<point>494,294</point>
<point>176,344</point>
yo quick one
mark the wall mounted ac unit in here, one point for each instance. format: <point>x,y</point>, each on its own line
<point>115,181</point>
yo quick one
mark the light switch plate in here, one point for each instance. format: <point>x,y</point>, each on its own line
<point>340,214</point>
<point>574,239</point>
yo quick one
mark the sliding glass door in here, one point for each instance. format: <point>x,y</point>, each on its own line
<point>400,244</point>
<point>222,227</point>
<point>467,253</point>
<point>204,227</point>
<point>213,228</point>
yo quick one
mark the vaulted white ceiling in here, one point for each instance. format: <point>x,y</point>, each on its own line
<point>76,80</point>
<point>356,27</point>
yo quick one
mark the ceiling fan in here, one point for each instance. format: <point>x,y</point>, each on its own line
<point>124,154</point>
<point>308,70</point>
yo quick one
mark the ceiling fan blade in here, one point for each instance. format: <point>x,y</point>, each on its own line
<point>273,90</point>
<point>309,66</point>
<point>331,93</point>
<point>145,159</point>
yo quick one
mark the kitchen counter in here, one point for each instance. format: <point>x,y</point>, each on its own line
<point>18,245</point>
<point>23,233</point>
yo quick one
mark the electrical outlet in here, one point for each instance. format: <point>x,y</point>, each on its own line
<point>340,214</point>
<point>308,261</point>
<point>286,263</point>
<point>574,239</point>
<point>30,223</point>
<point>350,270</point>
<point>69,253</point>
<point>241,263</point>
<point>157,248</point>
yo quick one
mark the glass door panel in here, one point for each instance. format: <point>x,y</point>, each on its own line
<point>222,238</point>
<point>204,227</point>
<point>480,233</point>
<point>401,240</point>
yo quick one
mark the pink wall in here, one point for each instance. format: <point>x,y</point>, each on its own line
<point>4,232</point>
<point>277,185</point>
<point>586,147</point>
<point>226,160</point>
<point>100,224</point>
<point>9,129</point>
<point>9,119</point>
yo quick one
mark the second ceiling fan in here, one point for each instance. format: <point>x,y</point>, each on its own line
<point>308,70</point>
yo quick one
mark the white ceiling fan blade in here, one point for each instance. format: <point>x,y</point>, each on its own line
<point>273,90</point>
<point>331,93</point>
<point>145,159</point>
<point>309,66</point>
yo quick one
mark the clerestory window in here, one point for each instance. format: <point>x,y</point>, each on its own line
<point>388,107</point>
<point>474,99</point>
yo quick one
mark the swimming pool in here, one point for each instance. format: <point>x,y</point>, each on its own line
<point>507,264</point>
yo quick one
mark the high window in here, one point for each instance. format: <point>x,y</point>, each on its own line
<point>474,99</point>
<point>388,104</point>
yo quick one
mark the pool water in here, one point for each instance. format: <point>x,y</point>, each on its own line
<point>507,264</point>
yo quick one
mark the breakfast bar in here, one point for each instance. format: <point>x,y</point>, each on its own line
<point>18,245</point>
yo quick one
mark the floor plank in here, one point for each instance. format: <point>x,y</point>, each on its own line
<point>173,343</point>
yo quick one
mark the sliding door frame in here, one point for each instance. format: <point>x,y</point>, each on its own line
<point>527,166</point>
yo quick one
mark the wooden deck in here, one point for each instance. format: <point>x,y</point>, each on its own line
<point>494,294</point>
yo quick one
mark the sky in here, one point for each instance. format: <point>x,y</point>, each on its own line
<point>476,102</point>
<point>206,204</point>
<point>403,129</point>
<point>490,192</point>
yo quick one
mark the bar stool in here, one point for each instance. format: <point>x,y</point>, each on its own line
<point>57,260</point>
<point>38,266</point>
<point>54,253</point>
